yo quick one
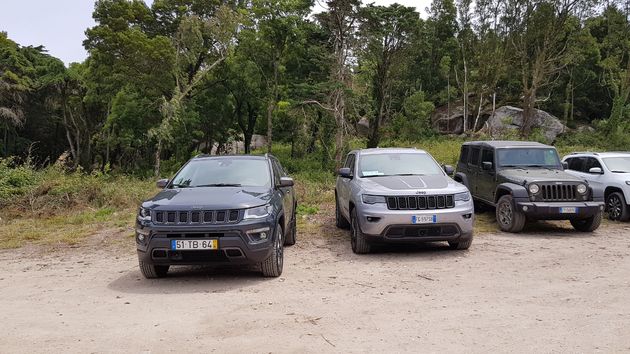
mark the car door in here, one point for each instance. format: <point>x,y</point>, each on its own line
<point>344,187</point>
<point>594,179</point>
<point>285,193</point>
<point>486,178</point>
<point>473,171</point>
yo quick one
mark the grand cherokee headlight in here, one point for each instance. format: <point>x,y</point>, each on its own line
<point>462,197</point>
<point>372,199</point>
<point>534,188</point>
<point>258,212</point>
<point>144,214</point>
<point>581,188</point>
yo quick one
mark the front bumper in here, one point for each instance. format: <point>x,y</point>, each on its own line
<point>234,246</point>
<point>379,223</point>
<point>553,210</point>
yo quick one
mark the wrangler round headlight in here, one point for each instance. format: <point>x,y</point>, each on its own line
<point>533,188</point>
<point>581,188</point>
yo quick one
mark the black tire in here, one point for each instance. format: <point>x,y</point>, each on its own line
<point>587,225</point>
<point>357,238</point>
<point>340,221</point>
<point>290,238</point>
<point>616,207</point>
<point>508,218</point>
<point>152,271</point>
<point>461,244</point>
<point>272,266</point>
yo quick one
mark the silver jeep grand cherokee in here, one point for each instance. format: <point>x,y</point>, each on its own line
<point>401,195</point>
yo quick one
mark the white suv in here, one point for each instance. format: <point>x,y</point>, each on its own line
<point>609,171</point>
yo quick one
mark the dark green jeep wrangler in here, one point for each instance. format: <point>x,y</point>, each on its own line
<point>526,181</point>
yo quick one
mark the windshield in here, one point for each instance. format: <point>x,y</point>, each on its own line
<point>393,164</point>
<point>528,157</point>
<point>618,164</point>
<point>223,172</point>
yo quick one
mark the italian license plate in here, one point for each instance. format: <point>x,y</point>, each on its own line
<point>424,219</point>
<point>568,210</point>
<point>178,245</point>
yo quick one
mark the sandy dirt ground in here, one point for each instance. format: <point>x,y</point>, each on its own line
<point>546,290</point>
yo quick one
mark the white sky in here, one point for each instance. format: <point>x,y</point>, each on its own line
<point>59,25</point>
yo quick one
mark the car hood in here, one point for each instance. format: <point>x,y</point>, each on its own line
<point>408,183</point>
<point>519,176</point>
<point>209,198</point>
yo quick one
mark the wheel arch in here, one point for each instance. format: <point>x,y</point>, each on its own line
<point>517,191</point>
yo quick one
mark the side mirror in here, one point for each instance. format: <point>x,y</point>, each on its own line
<point>286,182</point>
<point>565,165</point>
<point>596,171</point>
<point>486,166</point>
<point>345,172</point>
<point>162,183</point>
<point>448,169</point>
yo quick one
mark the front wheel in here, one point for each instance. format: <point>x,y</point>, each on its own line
<point>152,271</point>
<point>461,244</point>
<point>357,239</point>
<point>509,219</point>
<point>272,266</point>
<point>587,225</point>
<point>617,208</point>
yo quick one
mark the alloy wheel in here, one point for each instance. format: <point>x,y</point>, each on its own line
<point>279,250</point>
<point>505,213</point>
<point>614,207</point>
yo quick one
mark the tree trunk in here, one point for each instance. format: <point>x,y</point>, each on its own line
<point>158,153</point>
<point>529,99</point>
<point>271,106</point>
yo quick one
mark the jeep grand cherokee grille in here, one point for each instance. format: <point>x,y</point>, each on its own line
<point>197,217</point>
<point>420,202</point>
<point>558,192</point>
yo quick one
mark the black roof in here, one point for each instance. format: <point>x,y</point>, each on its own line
<point>507,144</point>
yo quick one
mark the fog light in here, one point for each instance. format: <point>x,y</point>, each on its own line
<point>141,237</point>
<point>525,208</point>
<point>258,235</point>
<point>467,216</point>
<point>373,219</point>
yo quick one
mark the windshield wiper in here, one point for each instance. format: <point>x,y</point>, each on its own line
<point>619,171</point>
<point>220,185</point>
<point>175,185</point>
<point>397,174</point>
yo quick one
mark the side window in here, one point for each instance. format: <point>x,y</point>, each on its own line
<point>591,162</point>
<point>276,172</point>
<point>575,163</point>
<point>474,156</point>
<point>350,163</point>
<point>463,156</point>
<point>487,156</point>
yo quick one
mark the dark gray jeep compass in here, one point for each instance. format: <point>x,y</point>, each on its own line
<point>218,209</point>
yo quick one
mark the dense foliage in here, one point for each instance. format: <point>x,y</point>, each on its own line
<point>164,82</point>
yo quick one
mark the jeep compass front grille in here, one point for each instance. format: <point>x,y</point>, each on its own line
<point>558,192</point>
<point>421,202</point>
<point>197,217</point>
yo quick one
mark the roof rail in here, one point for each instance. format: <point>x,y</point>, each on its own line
<point>584,153</point>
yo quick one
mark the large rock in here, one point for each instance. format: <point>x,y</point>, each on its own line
<point>511,118</point>
<point>363,126</point>
<point>449,122</point>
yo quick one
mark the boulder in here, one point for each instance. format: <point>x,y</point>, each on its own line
<point>511,118</point>
<point>363,126</point>
<point>449,122</point>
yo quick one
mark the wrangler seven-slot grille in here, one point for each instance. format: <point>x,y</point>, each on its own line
<point>558,192</point>
<point>420,202</point>
<point>197,217</point>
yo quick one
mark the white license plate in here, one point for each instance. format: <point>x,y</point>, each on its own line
<point>568,210</point>
<point>423,219</point>
<point>178,245</point>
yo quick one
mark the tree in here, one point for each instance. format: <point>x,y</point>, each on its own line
<point>385,32</point>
